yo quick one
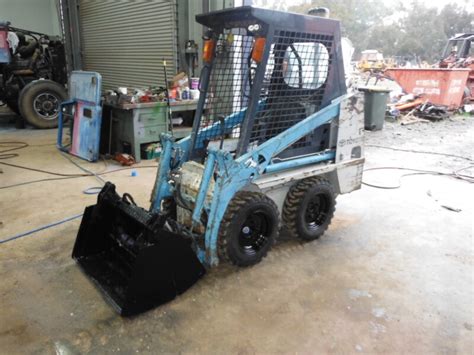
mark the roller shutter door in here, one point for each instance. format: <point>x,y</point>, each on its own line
<point>127,40</point>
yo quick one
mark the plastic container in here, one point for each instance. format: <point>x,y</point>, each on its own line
<point>173,93</point>
<point>150,154</point>
<point>194,83</point>
<point>185,94</point>
<point>194,94</point>
<point>375,105</point>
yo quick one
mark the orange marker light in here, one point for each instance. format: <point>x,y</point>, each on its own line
<point>258,49</point>
<point>208,50</point>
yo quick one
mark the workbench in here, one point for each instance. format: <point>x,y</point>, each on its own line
<point>127,126</point>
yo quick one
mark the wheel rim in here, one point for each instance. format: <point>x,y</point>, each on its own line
<point>46,105</point>
<point>254,233</point>
<point>317,211</point>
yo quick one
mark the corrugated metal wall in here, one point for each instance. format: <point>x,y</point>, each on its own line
<point>126,40</point>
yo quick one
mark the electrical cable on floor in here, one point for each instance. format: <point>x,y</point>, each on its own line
<point>415,172</point>
<point>94,190</point>
<point>10,147</point>
<point>20,145</point>
<point>24,234</point>
<point>16,146</point>
<point>41,170</point>
<point>462,169</point>
<point>78,176</point>
<point>39,180</point>
<point>90,190</point>
<point>419,151</point>
<point>41,145</point>
<point>454,174</point>
<point>87,171</point>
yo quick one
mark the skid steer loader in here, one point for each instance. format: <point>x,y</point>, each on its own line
<point>275,139</point>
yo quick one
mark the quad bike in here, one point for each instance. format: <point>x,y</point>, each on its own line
<point>32,75</point>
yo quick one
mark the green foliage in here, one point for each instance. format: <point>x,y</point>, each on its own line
<point>422,34</point>
<point>456,20</point>
<point>404,30</point>
<point>357,17</point>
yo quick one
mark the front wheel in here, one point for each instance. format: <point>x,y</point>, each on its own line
<point>309,207</point>
<point>248,229</point>
<point>40,103</point>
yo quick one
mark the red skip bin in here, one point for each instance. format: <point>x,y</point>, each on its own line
<point>438,86</point>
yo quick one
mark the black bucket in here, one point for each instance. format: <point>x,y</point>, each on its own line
<point>135,262</point>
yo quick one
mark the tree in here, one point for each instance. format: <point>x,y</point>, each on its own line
<point>456,20</point>
<point>421,33</point>
<point>356,16</point>
<point>385,38</point>
<point>404,30</point>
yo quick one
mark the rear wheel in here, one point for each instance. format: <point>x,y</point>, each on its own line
<point>248,229</point>
<point>39,103</point>
<point>309,207</point>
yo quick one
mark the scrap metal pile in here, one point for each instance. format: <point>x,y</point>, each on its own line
<point>420,92</point>
<point>411,108</point>
<point>421,95</point>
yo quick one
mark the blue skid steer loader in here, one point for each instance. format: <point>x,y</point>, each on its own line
<point>275,139</point>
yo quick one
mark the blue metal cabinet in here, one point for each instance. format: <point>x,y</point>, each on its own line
<point>84,93</point>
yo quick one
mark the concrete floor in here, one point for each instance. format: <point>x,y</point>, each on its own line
<point>394,272</point>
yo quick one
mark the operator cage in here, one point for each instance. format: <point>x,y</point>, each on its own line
<point>264,71</point>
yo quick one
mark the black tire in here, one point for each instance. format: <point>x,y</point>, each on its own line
<point>39,103</point>
<point>13,105</point>
<point>309,207</point>
<point>248,229</point>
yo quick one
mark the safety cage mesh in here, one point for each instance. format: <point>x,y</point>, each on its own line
<point>293,86</point>
<point>227,92</point>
